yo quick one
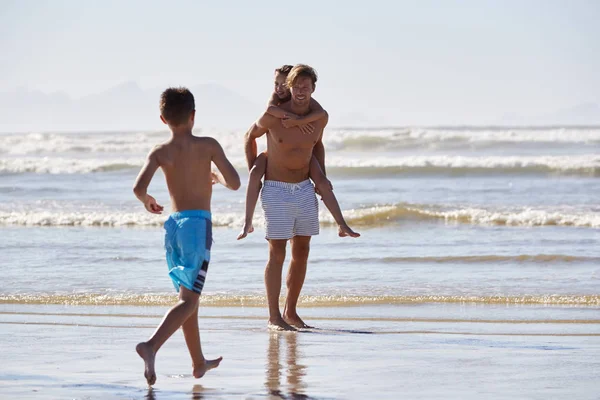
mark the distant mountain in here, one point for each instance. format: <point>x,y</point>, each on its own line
<point>581,114</point>
<point>123,107</point>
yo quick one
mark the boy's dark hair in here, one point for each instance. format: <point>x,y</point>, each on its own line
<point>176,105</point>
<point>284,69</point>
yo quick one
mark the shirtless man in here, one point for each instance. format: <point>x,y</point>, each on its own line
<point>288,197</point>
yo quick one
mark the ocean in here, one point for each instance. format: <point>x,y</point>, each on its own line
<point>480,246</point>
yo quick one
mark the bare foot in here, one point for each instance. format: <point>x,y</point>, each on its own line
<point>200,370</point>
<point>344,230</point>
<point>280,325</point>
<point>145,351</point>
<point>245,231</point>
<point>296,321</point>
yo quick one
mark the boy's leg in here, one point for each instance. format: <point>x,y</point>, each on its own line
<point>174,318</point>
<point>252,192</point>
<point>324,189</point>
<point>191,333</point>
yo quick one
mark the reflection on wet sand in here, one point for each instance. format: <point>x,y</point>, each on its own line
<point>295,370</point>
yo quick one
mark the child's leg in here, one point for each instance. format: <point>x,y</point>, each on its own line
<point>174,318</point>
<point>253,191</point>
<point>324,188</point>
<point>191,333</point>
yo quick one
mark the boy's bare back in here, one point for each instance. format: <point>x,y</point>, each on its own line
<point>186,163</point>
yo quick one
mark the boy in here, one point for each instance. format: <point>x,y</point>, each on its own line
<point>280,95</point>
<point>186,163</point>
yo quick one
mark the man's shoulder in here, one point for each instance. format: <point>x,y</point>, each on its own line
<point>266,120</point>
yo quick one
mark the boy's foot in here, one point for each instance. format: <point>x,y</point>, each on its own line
<point>344,230</point>
<point>296,321</point>
<point>245,231</point>
<point>200,370</point>
<point>145,351</point>
<point>280,325</point>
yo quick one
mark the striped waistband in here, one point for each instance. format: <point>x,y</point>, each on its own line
<point>191,213</point>
<point>288,185</point>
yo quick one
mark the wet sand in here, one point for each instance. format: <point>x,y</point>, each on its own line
<point>460,351</point>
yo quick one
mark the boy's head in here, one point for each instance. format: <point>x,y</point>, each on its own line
<point>177,107</point>
<point>301,81</point>
<point>281,74</point>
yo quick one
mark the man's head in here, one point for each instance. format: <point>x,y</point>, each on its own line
<point>281,75</point>
<point>301,82</point>
<point>177,107</point>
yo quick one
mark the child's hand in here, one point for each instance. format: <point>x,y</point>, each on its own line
<point>215,177</point>
<point>289,121</point>
<point>307,129</point>
<point>152,206</point>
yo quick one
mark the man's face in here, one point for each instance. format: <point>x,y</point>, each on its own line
<point>302,90</point>
<point>280,88</point>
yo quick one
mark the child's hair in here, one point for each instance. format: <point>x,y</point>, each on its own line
<point>284,69</point>
<point>301,70</point>
<point>176,105</point>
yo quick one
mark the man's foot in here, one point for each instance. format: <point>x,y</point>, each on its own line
<point>344,230</point>
<point>145,351</point>
<point>296,321</point>
<point>280,325</point>
<point>245,231</point>
<point>200,370</point>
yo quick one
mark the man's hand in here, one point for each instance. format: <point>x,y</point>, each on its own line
<point>152,206</point>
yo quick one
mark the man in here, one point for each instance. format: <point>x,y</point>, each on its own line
<point>288,197</point>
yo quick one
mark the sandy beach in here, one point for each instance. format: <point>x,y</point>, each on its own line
<point>423,352</point>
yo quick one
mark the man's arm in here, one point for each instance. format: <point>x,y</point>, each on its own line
<point>228,176</point>
<point>143,181</point>
<point>259,128</point>
<point>319,149</point>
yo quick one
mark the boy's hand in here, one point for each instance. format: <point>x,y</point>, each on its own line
<point>152,206</point>
<point>289,120</point>
<point>307,129</point>
<point>214,177</point>
<point>217,178</point>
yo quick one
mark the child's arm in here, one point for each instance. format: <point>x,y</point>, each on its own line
<point>305,122</point>
<point>228,176</point>
<point>274,110</point>
<point>143,180</point>
<point>319,149</point>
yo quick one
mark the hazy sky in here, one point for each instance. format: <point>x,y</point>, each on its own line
<point>419,62</point>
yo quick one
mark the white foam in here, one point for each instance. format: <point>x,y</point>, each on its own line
<point>576,164</point>
<point>376,215</point>
<point>105,219</point>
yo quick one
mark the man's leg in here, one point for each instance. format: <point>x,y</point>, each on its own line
<point>174,318</point>
<point>191,333</point>
<point>295,280</point>
<point>273,283</point>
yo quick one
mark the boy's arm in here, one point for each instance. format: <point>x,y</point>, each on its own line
<point>316,113</point>
<point>143,181</point>
<point>228,176</point>
<point>259,128</point>
<point>274,110</point>
<point>319,149</point>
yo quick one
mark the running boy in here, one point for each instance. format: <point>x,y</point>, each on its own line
<point>186,163</point>
<point>280,95</point>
